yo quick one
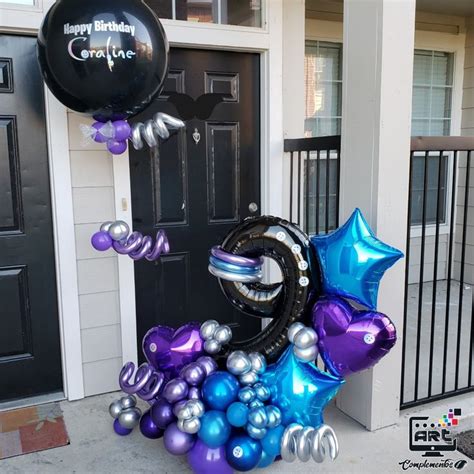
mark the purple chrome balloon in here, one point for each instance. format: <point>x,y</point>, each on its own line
<point>176,442</point>
<point>98,136</point>
<point>208,364</point>
<point>101,241</point>
<point>138,246</point>
<point>194,393</point>
<point>235,259</point>
<point>122,130</point>
<point>169,350</point>
<point>146,383</point>
<point>120,430</point>
<point>148,427</point>
<point>205,460</point>
<point>162,413</point>
<point>193,374</point>
<point>351,340</point>
<point>175,390</point>
<point>116,147</point>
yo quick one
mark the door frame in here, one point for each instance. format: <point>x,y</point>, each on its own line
<point>266,41</point>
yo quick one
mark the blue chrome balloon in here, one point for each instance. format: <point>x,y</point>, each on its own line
<point>271,441</point>
<point>229,267</point>
<point>353,260</point>
<point>237,414</point>
<point>219,390</point>
<point>243,453</point>
<point>300,390</point>
<point>215,429</point>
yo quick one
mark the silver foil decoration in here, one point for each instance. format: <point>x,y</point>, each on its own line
<point>152,130</point>
<point>215,336</point>
<point>304,340</point>
<point>305,442</point>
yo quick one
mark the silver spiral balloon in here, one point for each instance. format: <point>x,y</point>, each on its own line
<point>304,442</point>
<point>152,130</point>
<point>147,382</point>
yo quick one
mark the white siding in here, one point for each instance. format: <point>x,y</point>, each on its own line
<point>467,128</point>
<point>93,200</point>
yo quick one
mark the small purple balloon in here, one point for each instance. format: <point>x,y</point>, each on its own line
<point>193,374</point>
<point>116,147</point>
<point>162,413</point>
<point>208,364</point>
<point>194,393</point>
<point>148,427</point>
<point>176,442</point>
<point>120,430</point>
<point>101,241</point>
<point>205,460</point>
<point>122,130</point>
<point>175,390</point>
<point>98,137</point>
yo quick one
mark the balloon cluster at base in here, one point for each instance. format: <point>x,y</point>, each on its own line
<point>229,406</point>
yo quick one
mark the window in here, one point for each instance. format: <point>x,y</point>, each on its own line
<point>226,12</point>
<point>323,85</point>
<point>431,115</point>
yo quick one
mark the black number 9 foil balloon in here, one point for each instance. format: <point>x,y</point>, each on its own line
<point>106,58</point>
<point>286,302</point>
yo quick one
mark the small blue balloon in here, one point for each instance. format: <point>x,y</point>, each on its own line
<point>256,404</point>
<point>258,417</point>
<point>271,441</point>
<point>219,390</point>
<point>215,429</point>
<point>265,460</point>
<point>246,394</point>
<point>262,391</point>
<point>237,414</point>
<point>243,453</point>
<point>254,432</point>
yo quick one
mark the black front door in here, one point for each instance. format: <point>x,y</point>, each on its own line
<point>30,357</point>
<point>197,187</point>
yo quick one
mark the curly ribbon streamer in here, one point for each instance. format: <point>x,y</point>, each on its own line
<point>305,442</point>
<point>152,130</point>
<point>138,246</point>
<point>147,382</point>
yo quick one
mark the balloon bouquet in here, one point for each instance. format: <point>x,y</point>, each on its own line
<point>239,405</point>
<point>108,59</point>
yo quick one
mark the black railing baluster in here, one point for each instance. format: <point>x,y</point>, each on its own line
<point>407,273</point>
<point>463,264</point>
<point>328,171</point>
<point>318,188</point>
<point>299,188</point>
<point>338,164</point>
<point>291,185</point>
<point>307,193</point>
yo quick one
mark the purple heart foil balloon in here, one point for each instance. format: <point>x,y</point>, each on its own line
<point>169,350</point>
<point>350,340</point>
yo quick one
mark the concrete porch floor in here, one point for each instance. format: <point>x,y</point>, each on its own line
<point>95,448</point>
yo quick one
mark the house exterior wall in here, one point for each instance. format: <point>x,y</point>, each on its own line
<point>93,202</point>
<point>467,128</point>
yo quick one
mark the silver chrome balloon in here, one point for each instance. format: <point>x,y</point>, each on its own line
<point>258,361</point>
<point>208,364</point>
<point>258,417</point>
<point>305,338</point>
<point>306,355</point>
<point>208,328</point>
<point>273,415</point>
<point>238,363</point>
<point>262,391</point>
<point>106,226</point>
<point>129,401</point>
<point>293,330</point>
<point>211,346</point>
<point>223,334</point>
<point>178,406</point>
<point>247,394</point>
<point>249,378</point>
<point>197,407</point>
<point>238,277</point>
<point>256,433</point>
<point>152,130</point>
<point>130,418</point>
<point>306,442</point>
<point>255,404</point>
<point>119,230</point>
<point>115,408</point>
<point>191,426</point>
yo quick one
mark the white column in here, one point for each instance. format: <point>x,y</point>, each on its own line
<point>376,110</point>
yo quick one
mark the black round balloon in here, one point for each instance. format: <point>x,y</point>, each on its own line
<point>285,303</point>
<point>106,58</point>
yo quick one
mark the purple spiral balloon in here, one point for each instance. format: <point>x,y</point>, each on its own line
<point>138,246</point>
<point>235,259</point>
<point>147,382</point>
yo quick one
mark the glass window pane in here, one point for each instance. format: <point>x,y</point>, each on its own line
<point>422,67</point>
<point>421,102</point>
<point>442,68</point>
<point>202,11</point>
<point>441,102</point>
<point>243,13</point>
<point>329,62</point>
<point>420,127</point>
<point>440,127</point>
<point>163,8</point>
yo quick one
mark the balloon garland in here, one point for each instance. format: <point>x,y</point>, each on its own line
<point>108,59</point>
<point>239,409</point>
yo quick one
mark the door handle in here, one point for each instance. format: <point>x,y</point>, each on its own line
<point>253,207</point>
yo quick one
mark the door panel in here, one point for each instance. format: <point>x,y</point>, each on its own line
<point>30,361</point>
<point>197,186</point>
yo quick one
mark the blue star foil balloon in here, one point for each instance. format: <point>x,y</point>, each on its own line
<point>299,389</point>
<point>353,260</point>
